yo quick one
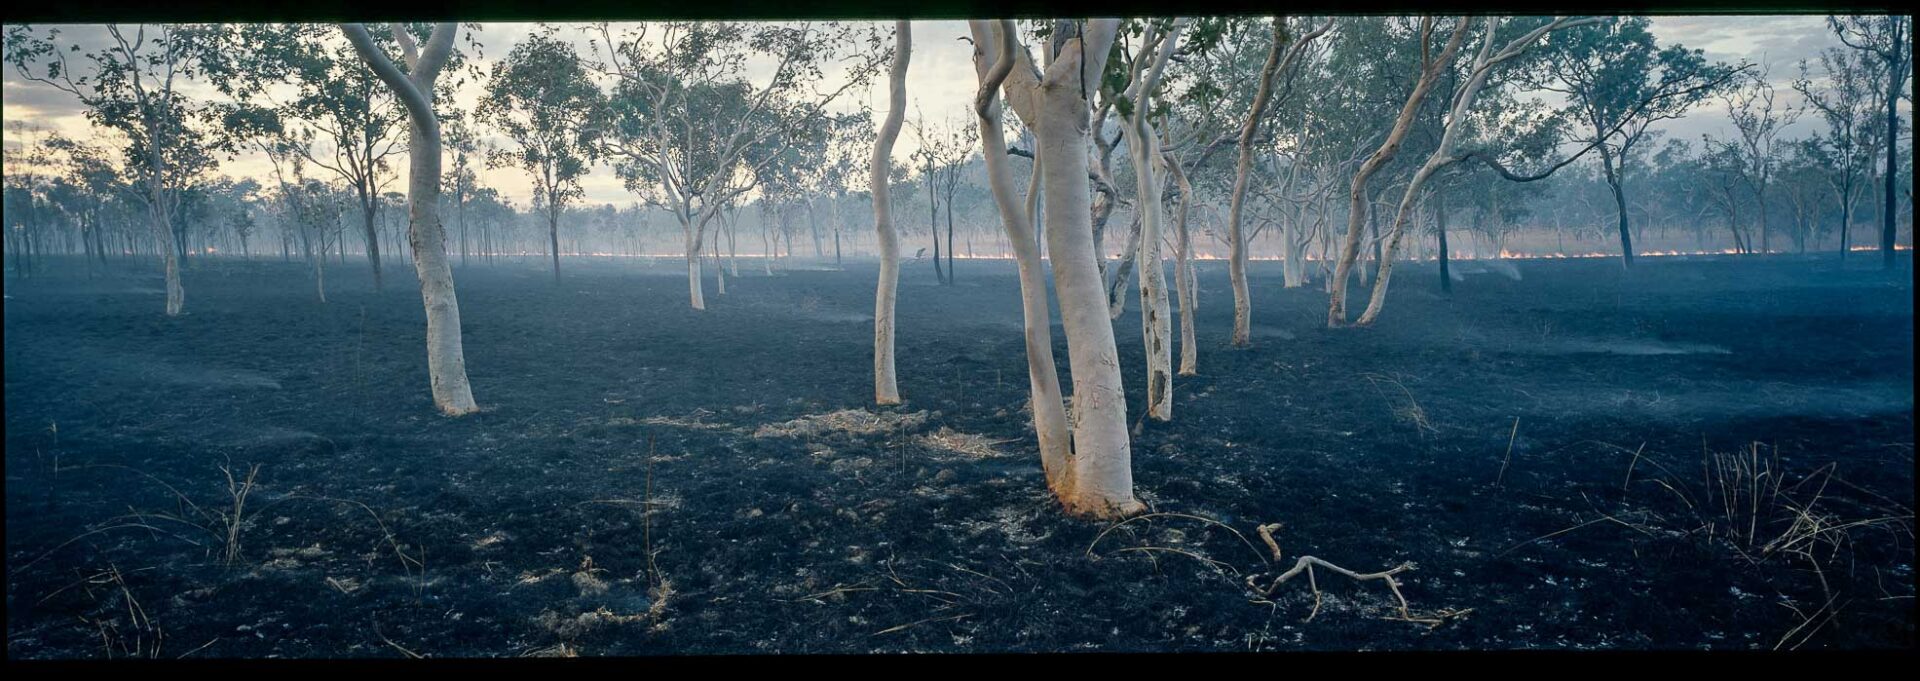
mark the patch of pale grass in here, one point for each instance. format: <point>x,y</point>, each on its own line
<point>849,421</point>
<point>694,420</point>
<point>972,445</point>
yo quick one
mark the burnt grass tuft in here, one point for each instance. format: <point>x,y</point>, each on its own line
<point>779,511</point>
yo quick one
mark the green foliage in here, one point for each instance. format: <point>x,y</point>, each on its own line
<point>542,101</point>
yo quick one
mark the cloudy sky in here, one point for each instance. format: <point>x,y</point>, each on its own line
<point>940,82</point>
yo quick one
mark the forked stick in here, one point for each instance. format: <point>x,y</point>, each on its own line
<point>1307,563</point>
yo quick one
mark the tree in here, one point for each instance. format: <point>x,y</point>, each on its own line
<point>540,98</point>
<point>886,388</point>
<point>339,119</point>
<point>1453,130</point>
<point>446,361</point>
<point>1143,148</point>
<point>135,86</point>
<point>1758,120</point>
<point>1096,476</point>
<point>1428,71</point>
<point>1620,83</point>
<point>1889,39</point>
<point>1846,102</point>
<point>1281,53</point>
<point>943,155</point>
<point>689,130</point>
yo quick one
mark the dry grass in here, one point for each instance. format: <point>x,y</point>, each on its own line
<point>1746,504</point>
<point>694,420</point>
<point>848,421</point>
<point>971,445</point>
<point>1410,411</point>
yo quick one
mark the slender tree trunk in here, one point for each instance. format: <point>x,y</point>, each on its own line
<point>1614,180</point>
<point>446,360</point>
<point>320,272</point>
<point>933,227</point>
<point>553,238</point>
<point>1357,195</point>
<point>1440,229</point>
<point>886,389</point>
<point>367,217</point>
<point>698,300</point>
<point>1156,331</point>
<point>1050,424</point>
<point>1236,203</point>
<point>1184,282</point>
<point>1896,75</point>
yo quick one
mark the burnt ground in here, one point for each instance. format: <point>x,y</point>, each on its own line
<point>780,522</point>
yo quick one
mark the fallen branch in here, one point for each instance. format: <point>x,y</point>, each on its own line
<point>1305,564</point>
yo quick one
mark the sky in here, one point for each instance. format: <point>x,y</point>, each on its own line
<point>940,83</point>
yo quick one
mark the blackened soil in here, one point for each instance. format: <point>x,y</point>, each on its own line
<point>1543,448</point>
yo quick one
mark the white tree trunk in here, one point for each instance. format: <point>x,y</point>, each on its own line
<point>1156,329</point>
<point>886,388</point>
<point>446,362</point>
<point>1055,106</point>
<point>694,291</point>
<point>1184,283</point>
<point>1357,193</point>
<point>1236,202</point>
<point>1043,377</point>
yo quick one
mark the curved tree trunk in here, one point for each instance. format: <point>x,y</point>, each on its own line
<point>1236,202</point>
<point>1357,199</point>
<point>446,362</point>
<point>886,388</point>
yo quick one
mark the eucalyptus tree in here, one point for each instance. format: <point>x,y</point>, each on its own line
<point>688,124</point>
<point>1426,73</point>
<point>1093,473</point>
<point>1758,119</point>
<point>28,177</point>
<point>1723,169</point>
<point>784,179</point>
<point>542,100</point>
<point>446,355</point>
<point>943,155</point>
<point>1498,46</point>
<point>1846,102</point>
<point>94,188</point>
<point>1282,53</point>
<point>463,141</point>
<point>886,386</point>
<point>1889,40</point>
<point>137,86</point>
<point>338,117</point>
<point>1618,83</point>
<point>849,139</point>
<point>1803,174</point>
<point>1143,149</point>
